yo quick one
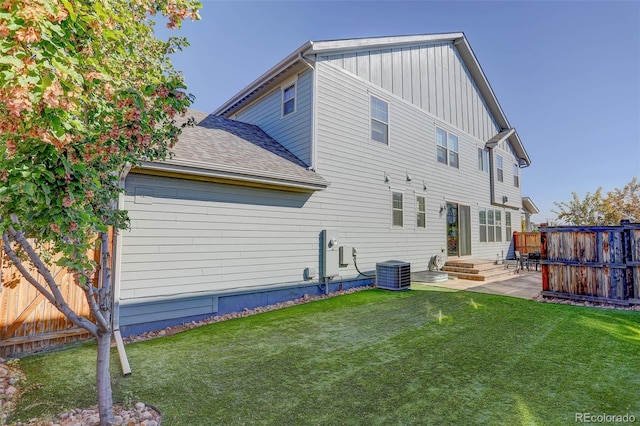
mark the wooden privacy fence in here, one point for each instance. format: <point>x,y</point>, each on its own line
<point>527,242</point>
<point>28,321</point>
<point>597,263</point>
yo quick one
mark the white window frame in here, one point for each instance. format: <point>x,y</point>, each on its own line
<point>483,159</point>
<point>507,225</point>
<point>449,152</point>
<point>499,168</point>
<point>482,221</point>
<point>283,89</point>
<point>491,226</point>
<point>378,120</point>
<point>516,175</point>
<point>421,214</point>
<point>498,225</point>
<point>395,209</point>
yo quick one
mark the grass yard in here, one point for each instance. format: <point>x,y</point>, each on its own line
<point>421,357</point>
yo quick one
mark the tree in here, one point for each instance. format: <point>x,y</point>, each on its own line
<point>623,203</point>
<point>595,209</point>
<point>582,212</point>
<point>85,90</point>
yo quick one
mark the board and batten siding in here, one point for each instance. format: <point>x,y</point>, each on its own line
<point>292,131</point>
<point>507,187</point>
<point>359,200</point>
<point>432,77</point>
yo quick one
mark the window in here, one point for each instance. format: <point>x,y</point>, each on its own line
<point>507,224</point>
<point>483,225</point>
<point>396,209</point>
<point>379,120</point>
<point>483,159</point>
<point>516,176</point>
<point>447,148</point>
<point>288,99</point>
<point>491,224</point>
<point>499,168</point>
<point>421,220</point>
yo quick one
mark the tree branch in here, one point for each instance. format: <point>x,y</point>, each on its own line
<point>57,298</point>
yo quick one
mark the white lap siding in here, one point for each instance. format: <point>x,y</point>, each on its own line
<point>188,237</point>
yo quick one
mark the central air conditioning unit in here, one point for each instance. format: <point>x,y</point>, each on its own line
<point>393,275</point>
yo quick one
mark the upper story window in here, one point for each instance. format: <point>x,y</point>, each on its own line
<point>379,120</point>
<point>447,148</point>
<point>516,176</point>
<point>288,99</point>
<point>397,210</point>
<point>421,212</point>
<point>483,159</point>
<point>499,169</point>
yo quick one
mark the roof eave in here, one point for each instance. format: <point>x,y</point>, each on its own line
<point>273,72</point>
<point>490,97</point>
<point>329,46</point>
<point>205,171</point>
<point>529,205</point>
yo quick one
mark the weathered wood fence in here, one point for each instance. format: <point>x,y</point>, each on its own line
<point>527,242</point>
<point>28,321</point>
<point>600,264</point>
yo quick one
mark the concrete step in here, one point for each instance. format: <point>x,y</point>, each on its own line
<point>476,269</point>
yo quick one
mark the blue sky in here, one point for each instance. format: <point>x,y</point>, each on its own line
<point>567,74</point>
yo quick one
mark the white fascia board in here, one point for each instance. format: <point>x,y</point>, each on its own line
<point>329,46</point>
<point>529,206</point>
<point>264,78</point>
<point>489,96</point>
<point>208,171</point>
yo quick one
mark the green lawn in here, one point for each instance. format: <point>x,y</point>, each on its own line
<point>372,357</point>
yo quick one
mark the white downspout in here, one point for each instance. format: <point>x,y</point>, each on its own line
<point>314,113</point>
<point>117,272</point>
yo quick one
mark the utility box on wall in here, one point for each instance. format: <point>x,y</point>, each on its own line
<point>330,254</point>
<point>346,254</point>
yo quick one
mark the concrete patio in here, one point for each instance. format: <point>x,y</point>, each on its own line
<point>525,284</point>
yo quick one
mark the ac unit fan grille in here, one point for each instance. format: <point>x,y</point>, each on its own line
<point>393,275</point>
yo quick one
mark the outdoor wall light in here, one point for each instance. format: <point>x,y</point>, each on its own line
<point>387,179</point>
<point>408,177</point>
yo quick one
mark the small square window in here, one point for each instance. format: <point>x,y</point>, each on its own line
<point>379,120</point>
<point>397,209</point>
<point>289,99</point>
<point>421,219</point>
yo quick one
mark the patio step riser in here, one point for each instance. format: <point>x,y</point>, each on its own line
<point>476,270</point>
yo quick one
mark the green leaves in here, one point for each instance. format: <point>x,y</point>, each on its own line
<point>72,14</point>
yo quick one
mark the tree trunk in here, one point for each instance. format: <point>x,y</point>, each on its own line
<point>103,379</point>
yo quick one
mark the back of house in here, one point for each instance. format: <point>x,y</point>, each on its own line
<point>393,147</point>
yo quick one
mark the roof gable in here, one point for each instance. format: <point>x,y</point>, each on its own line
<point>311,50</point>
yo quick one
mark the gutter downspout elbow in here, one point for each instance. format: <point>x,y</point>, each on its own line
<point>117,270</point>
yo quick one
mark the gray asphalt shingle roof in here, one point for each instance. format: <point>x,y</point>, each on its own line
<point>220,144</point>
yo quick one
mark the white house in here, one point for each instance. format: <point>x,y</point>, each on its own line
<point>394,146</point>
